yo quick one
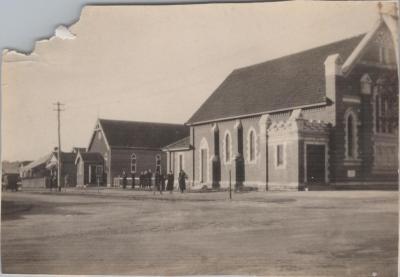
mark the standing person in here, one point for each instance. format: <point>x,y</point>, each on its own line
<point>146,179</point>
<point>124,179</point>
<point>141,179</point>
<point>162,181</point>
<point>170,182</point>
<point>157,180</point>
<point>149,177</point>
<point>50,178</point>
<point>54,180</point>
<point>182,180</point>
<point>66,180</point>
<point>133,180</point>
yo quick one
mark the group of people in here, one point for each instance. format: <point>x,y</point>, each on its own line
<point>155,182</point>
<point>53,180</point>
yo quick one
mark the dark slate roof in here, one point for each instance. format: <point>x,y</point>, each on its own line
<point>93,157</point>
<point>290,81</point>
<point>67,157</point>
<point>125,134</point>
<point>180,144</point>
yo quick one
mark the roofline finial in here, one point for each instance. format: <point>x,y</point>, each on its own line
<point>380,9</point>
<point>387,9</point>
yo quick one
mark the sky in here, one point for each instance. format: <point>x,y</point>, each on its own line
<point>151,63</point>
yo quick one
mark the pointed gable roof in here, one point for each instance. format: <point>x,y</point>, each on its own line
<point>135,134</point>
<point>89,157</point>
<point>182,144</point>
<point>284,83</point>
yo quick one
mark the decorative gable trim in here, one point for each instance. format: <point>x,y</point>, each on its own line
<point>360,49</point>
<point>98,127</point>
<point>392,25</point>
<point>78,157</point>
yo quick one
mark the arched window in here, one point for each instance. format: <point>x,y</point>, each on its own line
<point>350,137</point>
<point>203,161</point>
<point>385,104</point>
<point>158,163</point>
<point>133,163</point>
<point>252,149</point>
<point>377,114</point>
<point>227,147</point>
<point>351,148</point>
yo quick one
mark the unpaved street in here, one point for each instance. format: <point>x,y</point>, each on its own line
<point>337,233</point>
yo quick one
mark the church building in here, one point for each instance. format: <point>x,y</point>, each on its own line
<point>324,116</point>
<point>131,146</point>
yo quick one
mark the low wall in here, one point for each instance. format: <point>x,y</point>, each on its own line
<point>35,183</point>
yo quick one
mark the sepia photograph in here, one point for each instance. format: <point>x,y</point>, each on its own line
<point>245,139</point>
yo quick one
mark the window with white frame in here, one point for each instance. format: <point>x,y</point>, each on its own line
<point>133,163</point>
<point>280,155</point>
<point>158,163</point>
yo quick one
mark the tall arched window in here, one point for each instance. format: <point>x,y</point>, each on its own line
<point>133,163</point>
<point>227,147</point>
<point>350,137</point>
<point>351,148</point>
<point>158,163</point>
<point>252,142</point>
<point>377,114</point>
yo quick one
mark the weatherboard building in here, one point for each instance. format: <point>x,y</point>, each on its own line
<point>328,115</point>
<point>131,146</point>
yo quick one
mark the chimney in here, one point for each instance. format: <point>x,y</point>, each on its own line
<point>332,70</point>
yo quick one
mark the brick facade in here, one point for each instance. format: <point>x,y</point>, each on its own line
<point>351,138</point>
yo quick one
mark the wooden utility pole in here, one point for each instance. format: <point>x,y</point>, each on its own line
<point>58,109</point>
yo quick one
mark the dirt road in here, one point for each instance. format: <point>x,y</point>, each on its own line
<point>337,233</point>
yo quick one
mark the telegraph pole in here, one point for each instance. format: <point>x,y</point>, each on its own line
<point>59,109</point>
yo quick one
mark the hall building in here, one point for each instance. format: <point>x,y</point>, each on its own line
<point>327,115</point>
<point>131,146</point>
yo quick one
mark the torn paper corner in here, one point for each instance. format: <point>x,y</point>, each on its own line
<point>61,32</point>
<point>64,33</point>
<point>15,56</point>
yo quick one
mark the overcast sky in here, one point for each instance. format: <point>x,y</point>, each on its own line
<point>152,63</point>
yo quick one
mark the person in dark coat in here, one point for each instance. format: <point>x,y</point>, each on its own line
<point>182,180</point>
<point>133,175</point>
<point>124,180</point>
<point>162,181</point>
<point>157,185</point>
<point>54,182</point>
<point>141,179</point>
<point>170,182</point>
<point>150,179</point>
<point>66,180</point>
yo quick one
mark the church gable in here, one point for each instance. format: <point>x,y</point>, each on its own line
<point>380,51</point>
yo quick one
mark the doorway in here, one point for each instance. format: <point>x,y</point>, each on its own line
<point>315,164</point>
